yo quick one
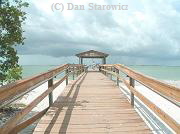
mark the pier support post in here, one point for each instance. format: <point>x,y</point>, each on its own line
<point>50,84</point>
<point>132,83</point>
<point>104,60</point>
<point>81,61</point>
<point>117,72</point>
<point>67,76</point>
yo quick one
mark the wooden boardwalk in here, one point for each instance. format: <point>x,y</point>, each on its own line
<point>91,104</point>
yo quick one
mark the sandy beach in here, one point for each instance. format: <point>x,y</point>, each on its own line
<point>173,82</point>
<point>38,91</point>
<point>27,99</point>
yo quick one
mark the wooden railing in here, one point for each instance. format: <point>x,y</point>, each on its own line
<point>166,91</point>
<point>14,91</point>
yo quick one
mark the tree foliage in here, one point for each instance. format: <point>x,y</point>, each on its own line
<point>11,34</point>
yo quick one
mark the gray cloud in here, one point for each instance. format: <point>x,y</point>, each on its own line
<point>148,30</point>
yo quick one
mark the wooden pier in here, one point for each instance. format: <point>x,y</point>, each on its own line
<point>91,102</point>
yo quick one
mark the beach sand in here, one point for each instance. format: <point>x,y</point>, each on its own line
<point>27,99</point>
<point>37,92</point>
<point>173,82</point>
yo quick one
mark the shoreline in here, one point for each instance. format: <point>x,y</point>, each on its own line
<point>175,83</point>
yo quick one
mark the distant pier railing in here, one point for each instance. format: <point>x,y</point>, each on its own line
<point>166,91</point>
<point>14,91</point>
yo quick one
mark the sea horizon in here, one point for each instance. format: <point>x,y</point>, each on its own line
<point>160,72</point>
<point>107,63</point>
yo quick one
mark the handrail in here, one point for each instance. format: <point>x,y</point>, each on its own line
<point>7,93</point>
<point>165,90</point>
<point>13,89</point>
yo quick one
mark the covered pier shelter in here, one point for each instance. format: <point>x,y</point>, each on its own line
<point>92,54</point>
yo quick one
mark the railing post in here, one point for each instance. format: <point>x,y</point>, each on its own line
<point>50,84</point>
<point>104,71</point>
<point>117,72</point>
<point>73,72</point>
<point>67,76</point>
<point>86,69</point>
<point>111,74</point>
<point>81,69</point>
<point>77,70</point>
<point>132,83</point>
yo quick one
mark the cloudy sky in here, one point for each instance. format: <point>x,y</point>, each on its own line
<point>147,33</point>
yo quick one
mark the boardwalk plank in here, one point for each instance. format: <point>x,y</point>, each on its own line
<point>93,105</point>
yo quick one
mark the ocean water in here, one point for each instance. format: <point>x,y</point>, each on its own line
<point>158,72</point>
<point>31,70</point>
